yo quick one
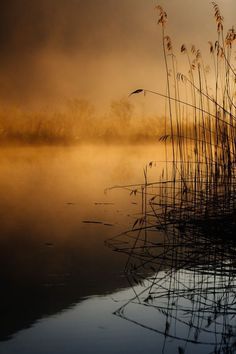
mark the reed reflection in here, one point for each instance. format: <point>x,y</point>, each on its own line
<point>182,269</point>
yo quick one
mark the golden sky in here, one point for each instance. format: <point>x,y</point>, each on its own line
<point>52,50</point>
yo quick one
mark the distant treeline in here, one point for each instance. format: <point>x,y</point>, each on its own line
<point>79,122</point>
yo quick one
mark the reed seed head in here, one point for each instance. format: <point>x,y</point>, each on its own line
<point>162,16</point>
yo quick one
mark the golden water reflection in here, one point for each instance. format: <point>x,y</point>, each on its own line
<point>50,258</point>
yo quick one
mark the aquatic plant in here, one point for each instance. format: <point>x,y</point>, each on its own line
<point>181,249</point>
<point>198,181</point>
<point>79,122</point>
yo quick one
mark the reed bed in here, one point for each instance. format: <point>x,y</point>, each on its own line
<point>79,121</point>
<point>181,250</point>
<point>197,183</point>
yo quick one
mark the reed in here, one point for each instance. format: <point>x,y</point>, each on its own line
<point>203,158</point>
<point>181,249</point>
<point>79,122</point>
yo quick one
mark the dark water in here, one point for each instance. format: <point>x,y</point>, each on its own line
<point>55,218</point>
<point>64,291</point>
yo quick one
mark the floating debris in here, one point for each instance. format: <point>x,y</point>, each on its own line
<point>101,203</point>
<point>92,222</point>
<point>49,244</point>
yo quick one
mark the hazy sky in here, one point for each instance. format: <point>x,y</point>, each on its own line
<point>51,50</point>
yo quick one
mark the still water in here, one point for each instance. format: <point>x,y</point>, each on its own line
<point>64,291</point>
<point>54,266</point>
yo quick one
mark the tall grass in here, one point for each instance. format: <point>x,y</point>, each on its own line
<point>80,122</point>
<point>181,250</point>
<point>202,131</point>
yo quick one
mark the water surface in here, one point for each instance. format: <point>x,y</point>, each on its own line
<point>55,218</point>
<point>64,291</point>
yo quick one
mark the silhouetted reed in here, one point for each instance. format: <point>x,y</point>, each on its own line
<point>198,182</point>
<point>181,251</point>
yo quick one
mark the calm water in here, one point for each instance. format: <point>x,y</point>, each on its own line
<point>51,260</point>
<point>64,291</point>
